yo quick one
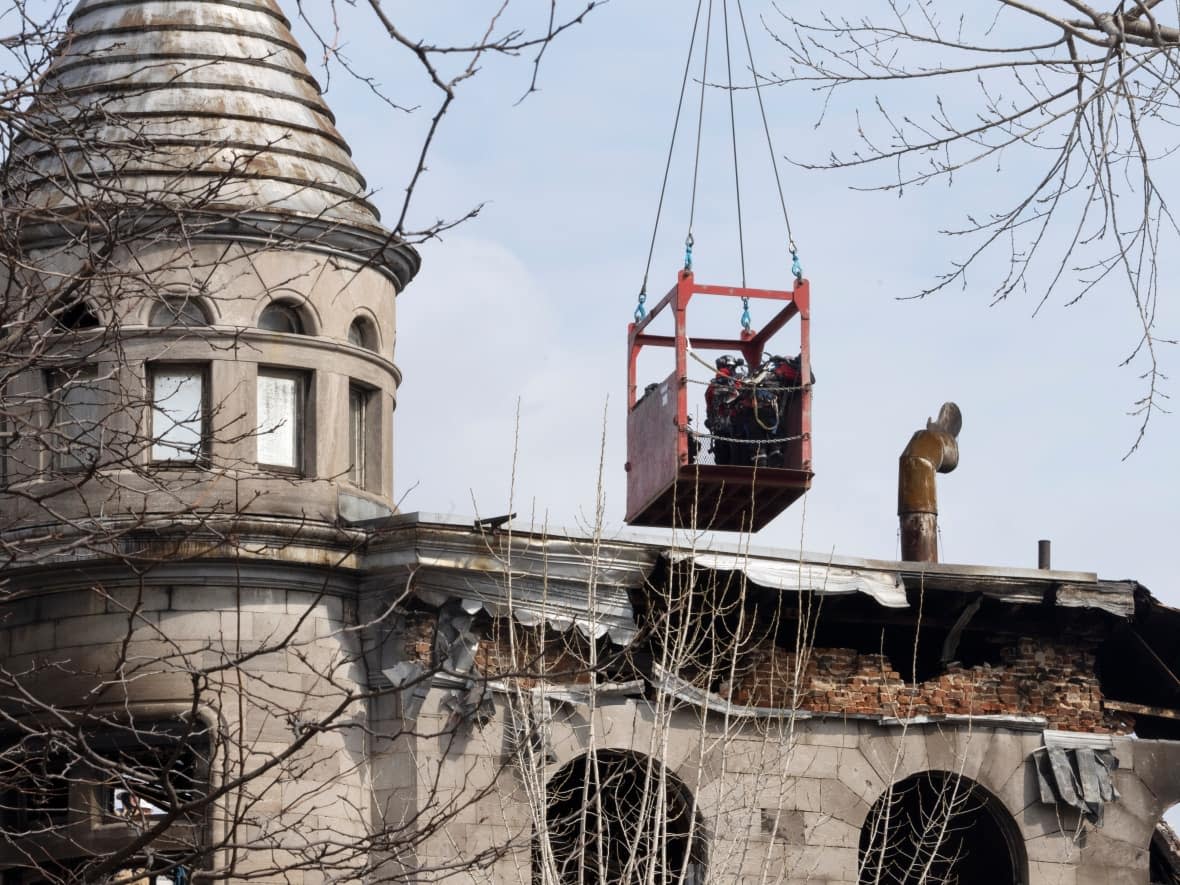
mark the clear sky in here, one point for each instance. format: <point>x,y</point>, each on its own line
<point>526,307</point>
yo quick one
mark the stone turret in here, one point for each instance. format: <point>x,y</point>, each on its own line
<point>198,392</point>
<point>196,224</point>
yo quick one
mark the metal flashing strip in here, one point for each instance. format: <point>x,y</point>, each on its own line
<point>1115,599</point>
<point>673,685</point>
<point>888,590</point>
<point>1076,774</point>
<point>1011,721</point>
<point>533,600</point>
<point>1073,739</point>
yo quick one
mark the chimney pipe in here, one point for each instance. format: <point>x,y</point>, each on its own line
<point>1043,555</point>
<point>930,451</point>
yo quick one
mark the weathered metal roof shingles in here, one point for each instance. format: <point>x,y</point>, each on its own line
<point>194,102</point>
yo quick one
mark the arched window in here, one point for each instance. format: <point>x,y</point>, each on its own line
<point>75,316</point>
<point>1163,853</point>
<point>178,310</point>
<point>279,316</point>
<point>618,818</point>
<point>940,827</point>
<point>362,334</point>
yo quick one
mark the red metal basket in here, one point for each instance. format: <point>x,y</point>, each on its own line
<point>667,485</point>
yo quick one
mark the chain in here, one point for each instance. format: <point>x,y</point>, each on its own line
<point>747,440</point>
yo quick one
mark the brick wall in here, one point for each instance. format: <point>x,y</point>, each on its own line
<point>1035,677</point>
<point>528,654</point>
<point>418,636</point>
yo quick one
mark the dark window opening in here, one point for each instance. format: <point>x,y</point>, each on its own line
<point>360,429</point>
<point>75,425</point>
<point>938,828</point>
<point>81,796</point>
<point>152,774</point>
<point>1164,856</point>
<point>281,317</point>
<point>178,310</point>
<point>34,789</point>
<point>362,334</point>
<point>75,316</point>
<point>7,435</point>
<point>617,818</point>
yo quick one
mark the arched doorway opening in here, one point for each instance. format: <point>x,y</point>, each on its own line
<point>614,817</point>
<point>939,828</point>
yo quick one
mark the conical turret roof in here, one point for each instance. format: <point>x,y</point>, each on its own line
<point>203,104</point>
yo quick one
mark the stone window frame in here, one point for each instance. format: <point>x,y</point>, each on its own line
<point>302,419</point>
<point>364,435</point>
<point>203,371</point>
<point>7,435</point>
<point>59,383</point>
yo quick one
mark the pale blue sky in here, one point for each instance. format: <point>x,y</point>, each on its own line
<point>530,302</point>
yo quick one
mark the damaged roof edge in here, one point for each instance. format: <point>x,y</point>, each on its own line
<point>544,575</point>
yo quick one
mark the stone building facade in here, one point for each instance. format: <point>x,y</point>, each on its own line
<point>226,657</point>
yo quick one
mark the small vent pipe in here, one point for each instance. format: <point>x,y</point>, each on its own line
<point>930,451</point>
<point>1044,558</point>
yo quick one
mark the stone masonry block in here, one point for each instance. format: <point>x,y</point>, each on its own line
<point>197,625</point>
<point>97,629</point>
<point>123,600</point>
<point>204,598</point>
<point>1108,875</point>
<point>895,753</point>
<point>812,761</point>
<point>860,777</point>
<point>828,732</point>
<point>1040,873</point>
<point>823,829</point>
<point>31,638</point>
<point>1055,848</point>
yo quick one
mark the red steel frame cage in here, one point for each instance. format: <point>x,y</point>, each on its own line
<point>664,486</point>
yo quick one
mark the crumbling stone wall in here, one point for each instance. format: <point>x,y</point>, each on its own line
<point>1036,677</point>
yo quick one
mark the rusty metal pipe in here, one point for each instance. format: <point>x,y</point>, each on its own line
<point>930,451</point>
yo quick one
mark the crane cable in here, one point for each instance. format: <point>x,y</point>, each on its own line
<point>696,162</point>
<point>640,310</point>
<point>796,267</point>
<point>737,182</point>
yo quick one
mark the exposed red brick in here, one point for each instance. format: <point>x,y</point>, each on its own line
<point>1034,678</point>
